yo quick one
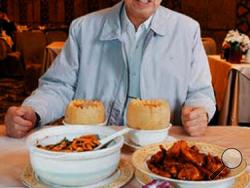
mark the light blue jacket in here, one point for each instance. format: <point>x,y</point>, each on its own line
<point>92,65</point>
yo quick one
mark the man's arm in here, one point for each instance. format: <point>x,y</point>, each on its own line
<point>19,121</point>
<point>199,106</point>
<point>200,90</point>
<point>57,85</point>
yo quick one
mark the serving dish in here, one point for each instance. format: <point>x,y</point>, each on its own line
<point>73,168</point>
<point>140,157</point>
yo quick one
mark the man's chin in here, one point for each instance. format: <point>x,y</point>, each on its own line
<point>144,13</point>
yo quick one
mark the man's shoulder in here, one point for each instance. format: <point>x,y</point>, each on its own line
<point>99,17</point>
<point>95,23</point>
<point>91,17</point>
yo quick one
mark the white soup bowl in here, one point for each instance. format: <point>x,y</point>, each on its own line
<point>73,168</point>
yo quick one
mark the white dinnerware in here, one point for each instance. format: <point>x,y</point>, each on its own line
<point>145,137</point>
<point>73,168</point>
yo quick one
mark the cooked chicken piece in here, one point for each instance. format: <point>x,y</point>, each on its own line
<point>213,163</point>
<point>206,173</point>
<point>157,158</point>
<point>185,163</point>
<point>172,166</point>
<point>175,150</point>
<point>158,171</point>
<point>193,155</point>
<point>189,172</point>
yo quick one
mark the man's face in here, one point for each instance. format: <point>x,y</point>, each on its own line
<point>142,8</point>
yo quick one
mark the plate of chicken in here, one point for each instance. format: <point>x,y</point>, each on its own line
<point>187,164</point>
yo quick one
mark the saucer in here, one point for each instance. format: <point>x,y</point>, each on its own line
<point>123,175</point>
<point>240,182</point>
<point>134,146</point>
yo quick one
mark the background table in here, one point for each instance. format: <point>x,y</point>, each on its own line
<point>231,83</point>
<point>51,51</point>
<point>14,154</point>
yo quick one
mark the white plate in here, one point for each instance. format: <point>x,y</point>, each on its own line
<point>140,157</point>
<point>101,183</point>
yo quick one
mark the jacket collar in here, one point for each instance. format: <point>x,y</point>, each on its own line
<point>112,22</point>
<point>160,23</point>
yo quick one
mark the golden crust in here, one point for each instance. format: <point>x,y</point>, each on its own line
<point>148,114</point>
<point>81,111</point>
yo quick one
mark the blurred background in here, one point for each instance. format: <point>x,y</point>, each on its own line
<point>42,28</point>
<point>216,17</point>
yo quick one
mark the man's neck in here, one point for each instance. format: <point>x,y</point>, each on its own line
<point>135,19</point>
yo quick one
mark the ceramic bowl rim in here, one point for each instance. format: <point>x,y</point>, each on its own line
<point>151,131</point>
<point>31,139</point>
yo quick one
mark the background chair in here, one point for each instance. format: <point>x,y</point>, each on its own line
<point>31,45</point>
<point>52,36</point>
<point>11,64</point>
<point>209,45</point>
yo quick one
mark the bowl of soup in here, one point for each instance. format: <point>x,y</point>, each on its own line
<point>72,166</point>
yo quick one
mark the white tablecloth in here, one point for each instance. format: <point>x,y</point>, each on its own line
<point>231,83</point>
<point>51,51</point>
<point>14,154</point>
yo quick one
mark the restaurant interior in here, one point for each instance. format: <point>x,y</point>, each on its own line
<point>48,21</point>
<point>42,27</point>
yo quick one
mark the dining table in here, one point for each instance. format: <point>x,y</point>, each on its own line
<point>14,154</point>
<point>50,53</point>
<point>231,83</point>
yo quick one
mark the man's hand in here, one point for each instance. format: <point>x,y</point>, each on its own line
<point>194,120</point>
<point>19,121</point>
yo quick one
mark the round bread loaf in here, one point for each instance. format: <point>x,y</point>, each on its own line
<point>81,111</point>
<point>148,114</point>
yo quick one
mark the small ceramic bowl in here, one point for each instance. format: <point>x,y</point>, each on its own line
<point>145,137</point>
<point>73,168</point>
<point>98,124</point>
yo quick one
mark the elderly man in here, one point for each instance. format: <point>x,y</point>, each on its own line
<point>135,49</point>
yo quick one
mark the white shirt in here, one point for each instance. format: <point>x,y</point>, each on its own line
<point>133,44</point>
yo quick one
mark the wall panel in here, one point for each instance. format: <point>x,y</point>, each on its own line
<point>12,9</point>
<point>216,17</point>
<point>222,14</point>
<point>36,13</point>
<point>197,9</point>
<point>60,11</point>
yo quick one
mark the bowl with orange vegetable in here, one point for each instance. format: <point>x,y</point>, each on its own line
<point>64,155</point>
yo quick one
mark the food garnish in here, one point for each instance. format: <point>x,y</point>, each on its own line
<point>158,184</point>
<point>80,144</point>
